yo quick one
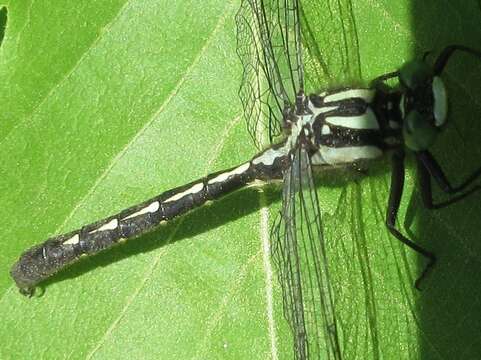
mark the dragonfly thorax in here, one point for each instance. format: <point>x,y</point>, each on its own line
<point>298,124</point>
<point>345,126</point>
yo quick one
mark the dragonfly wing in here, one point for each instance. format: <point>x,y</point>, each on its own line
<point>269,46</point>
<point>330,41</point>
<point>300,256</point>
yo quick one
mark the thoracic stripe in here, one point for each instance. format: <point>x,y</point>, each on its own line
<point>365,94</point>
<point>345,155</point>
<point>367,120</point>
<point>322,109</point>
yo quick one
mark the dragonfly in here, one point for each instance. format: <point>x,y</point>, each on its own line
<point>335,129</point>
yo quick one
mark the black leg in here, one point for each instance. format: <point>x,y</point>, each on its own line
<point>395,195</point>
<point>443,58</point>
<point>429,168</point>
<point>379,81</point>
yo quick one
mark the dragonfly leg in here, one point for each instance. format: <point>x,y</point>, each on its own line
<point>380,80</point>
<point>395,195</point>
<point>447,52</point>
<point>429,168</point>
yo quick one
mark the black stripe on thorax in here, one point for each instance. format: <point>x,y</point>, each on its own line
<point>346,137</point>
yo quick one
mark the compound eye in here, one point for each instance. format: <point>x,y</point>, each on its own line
<point>414,74</point>
<point>419,134</point>
<point>440,107</point>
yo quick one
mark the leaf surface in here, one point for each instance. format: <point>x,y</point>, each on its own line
<point>106,104</point>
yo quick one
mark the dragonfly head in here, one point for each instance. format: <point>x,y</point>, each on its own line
<point>423,104</point>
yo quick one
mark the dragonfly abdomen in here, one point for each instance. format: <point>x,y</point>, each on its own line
<point>44,260</point>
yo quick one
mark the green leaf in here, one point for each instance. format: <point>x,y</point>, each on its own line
<point>105,104</point>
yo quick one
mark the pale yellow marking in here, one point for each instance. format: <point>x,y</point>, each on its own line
<point>365,94</point>
<point>350,154</point>
<point>73,240</point>
<point>321,110</point>
<point>112,225</point>
<point>269,156</point>
<point>224,176</point>
<point>148,209</point>
<point>193,190</point>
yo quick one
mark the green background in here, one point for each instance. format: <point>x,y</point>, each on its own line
<point>104,104</point>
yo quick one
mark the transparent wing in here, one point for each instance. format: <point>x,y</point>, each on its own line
<point>299,253</point>
<point>371,274</point>
<point>330,44</point>
<point>269,46</point>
